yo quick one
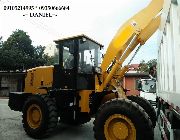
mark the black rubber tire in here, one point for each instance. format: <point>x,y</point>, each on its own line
<point>146,105</point>
<point>133,111</point>
<point>49,116</point>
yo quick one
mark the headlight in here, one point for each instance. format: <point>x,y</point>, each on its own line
<point>98,70</point>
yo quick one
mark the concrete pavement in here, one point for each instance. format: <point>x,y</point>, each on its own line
<point>11,127</point>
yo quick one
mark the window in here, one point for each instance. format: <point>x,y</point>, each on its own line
<point>88,56</point>
<point>149,86</point>
<point>68,58</point>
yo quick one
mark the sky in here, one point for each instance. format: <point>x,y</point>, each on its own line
<point>98,19</point>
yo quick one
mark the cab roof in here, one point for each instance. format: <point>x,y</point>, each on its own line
<point>77,37</point>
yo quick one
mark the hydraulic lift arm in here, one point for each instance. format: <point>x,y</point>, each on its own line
<point>136,31</point>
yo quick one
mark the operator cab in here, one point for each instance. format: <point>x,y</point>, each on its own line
<point>78,57</point>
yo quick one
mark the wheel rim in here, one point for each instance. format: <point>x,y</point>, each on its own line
<point>119,127</point>
<point>34,116</point>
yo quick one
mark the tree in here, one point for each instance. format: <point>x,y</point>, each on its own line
<point>145,67</point>
<point>10,61</point>
<point>39,59</point>
<point>18,53</point>
<point>21,41</point>
<point>152,62</point>
<point>49,60</point>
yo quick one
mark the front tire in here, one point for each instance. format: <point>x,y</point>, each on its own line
<point>39,116</point>
<point>120,119</point>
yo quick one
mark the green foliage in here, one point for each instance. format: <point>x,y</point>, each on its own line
<point>10,60</point>
<point>145,67</point>
<point>18,53</point>
<point>49,60</point>
<point>21,41</point>
<point>152,63</point>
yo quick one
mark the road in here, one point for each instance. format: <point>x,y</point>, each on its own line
<point>11,127</point>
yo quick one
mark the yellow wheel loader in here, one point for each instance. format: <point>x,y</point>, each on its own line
<point>81,86</point>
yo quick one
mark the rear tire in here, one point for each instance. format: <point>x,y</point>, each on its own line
<point>146,105</point>
<point>39,116</point>
<point>124,115</point>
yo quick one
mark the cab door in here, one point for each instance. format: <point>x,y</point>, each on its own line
<point>65,73</point>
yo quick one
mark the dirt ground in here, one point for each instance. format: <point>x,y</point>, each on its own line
<point>11,127</point>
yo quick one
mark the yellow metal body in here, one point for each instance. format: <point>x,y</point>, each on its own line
<point>119,127</point>
<point>39,79</point>
<point>84,102</point>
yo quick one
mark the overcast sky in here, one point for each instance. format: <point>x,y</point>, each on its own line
<point>98,19</point>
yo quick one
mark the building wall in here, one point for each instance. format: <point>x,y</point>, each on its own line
<point>130,84</point>
<point>130,81</point>
<point>11,82</point>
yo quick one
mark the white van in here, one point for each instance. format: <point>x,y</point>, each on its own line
<point>147,88</point>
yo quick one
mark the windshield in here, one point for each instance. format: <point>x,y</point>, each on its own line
<point>149,86</point>
<point>89,56</point>
<point>81,54</point>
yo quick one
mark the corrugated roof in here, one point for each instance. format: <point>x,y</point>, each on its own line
<point>12,73</point>
<point>136,74</point>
